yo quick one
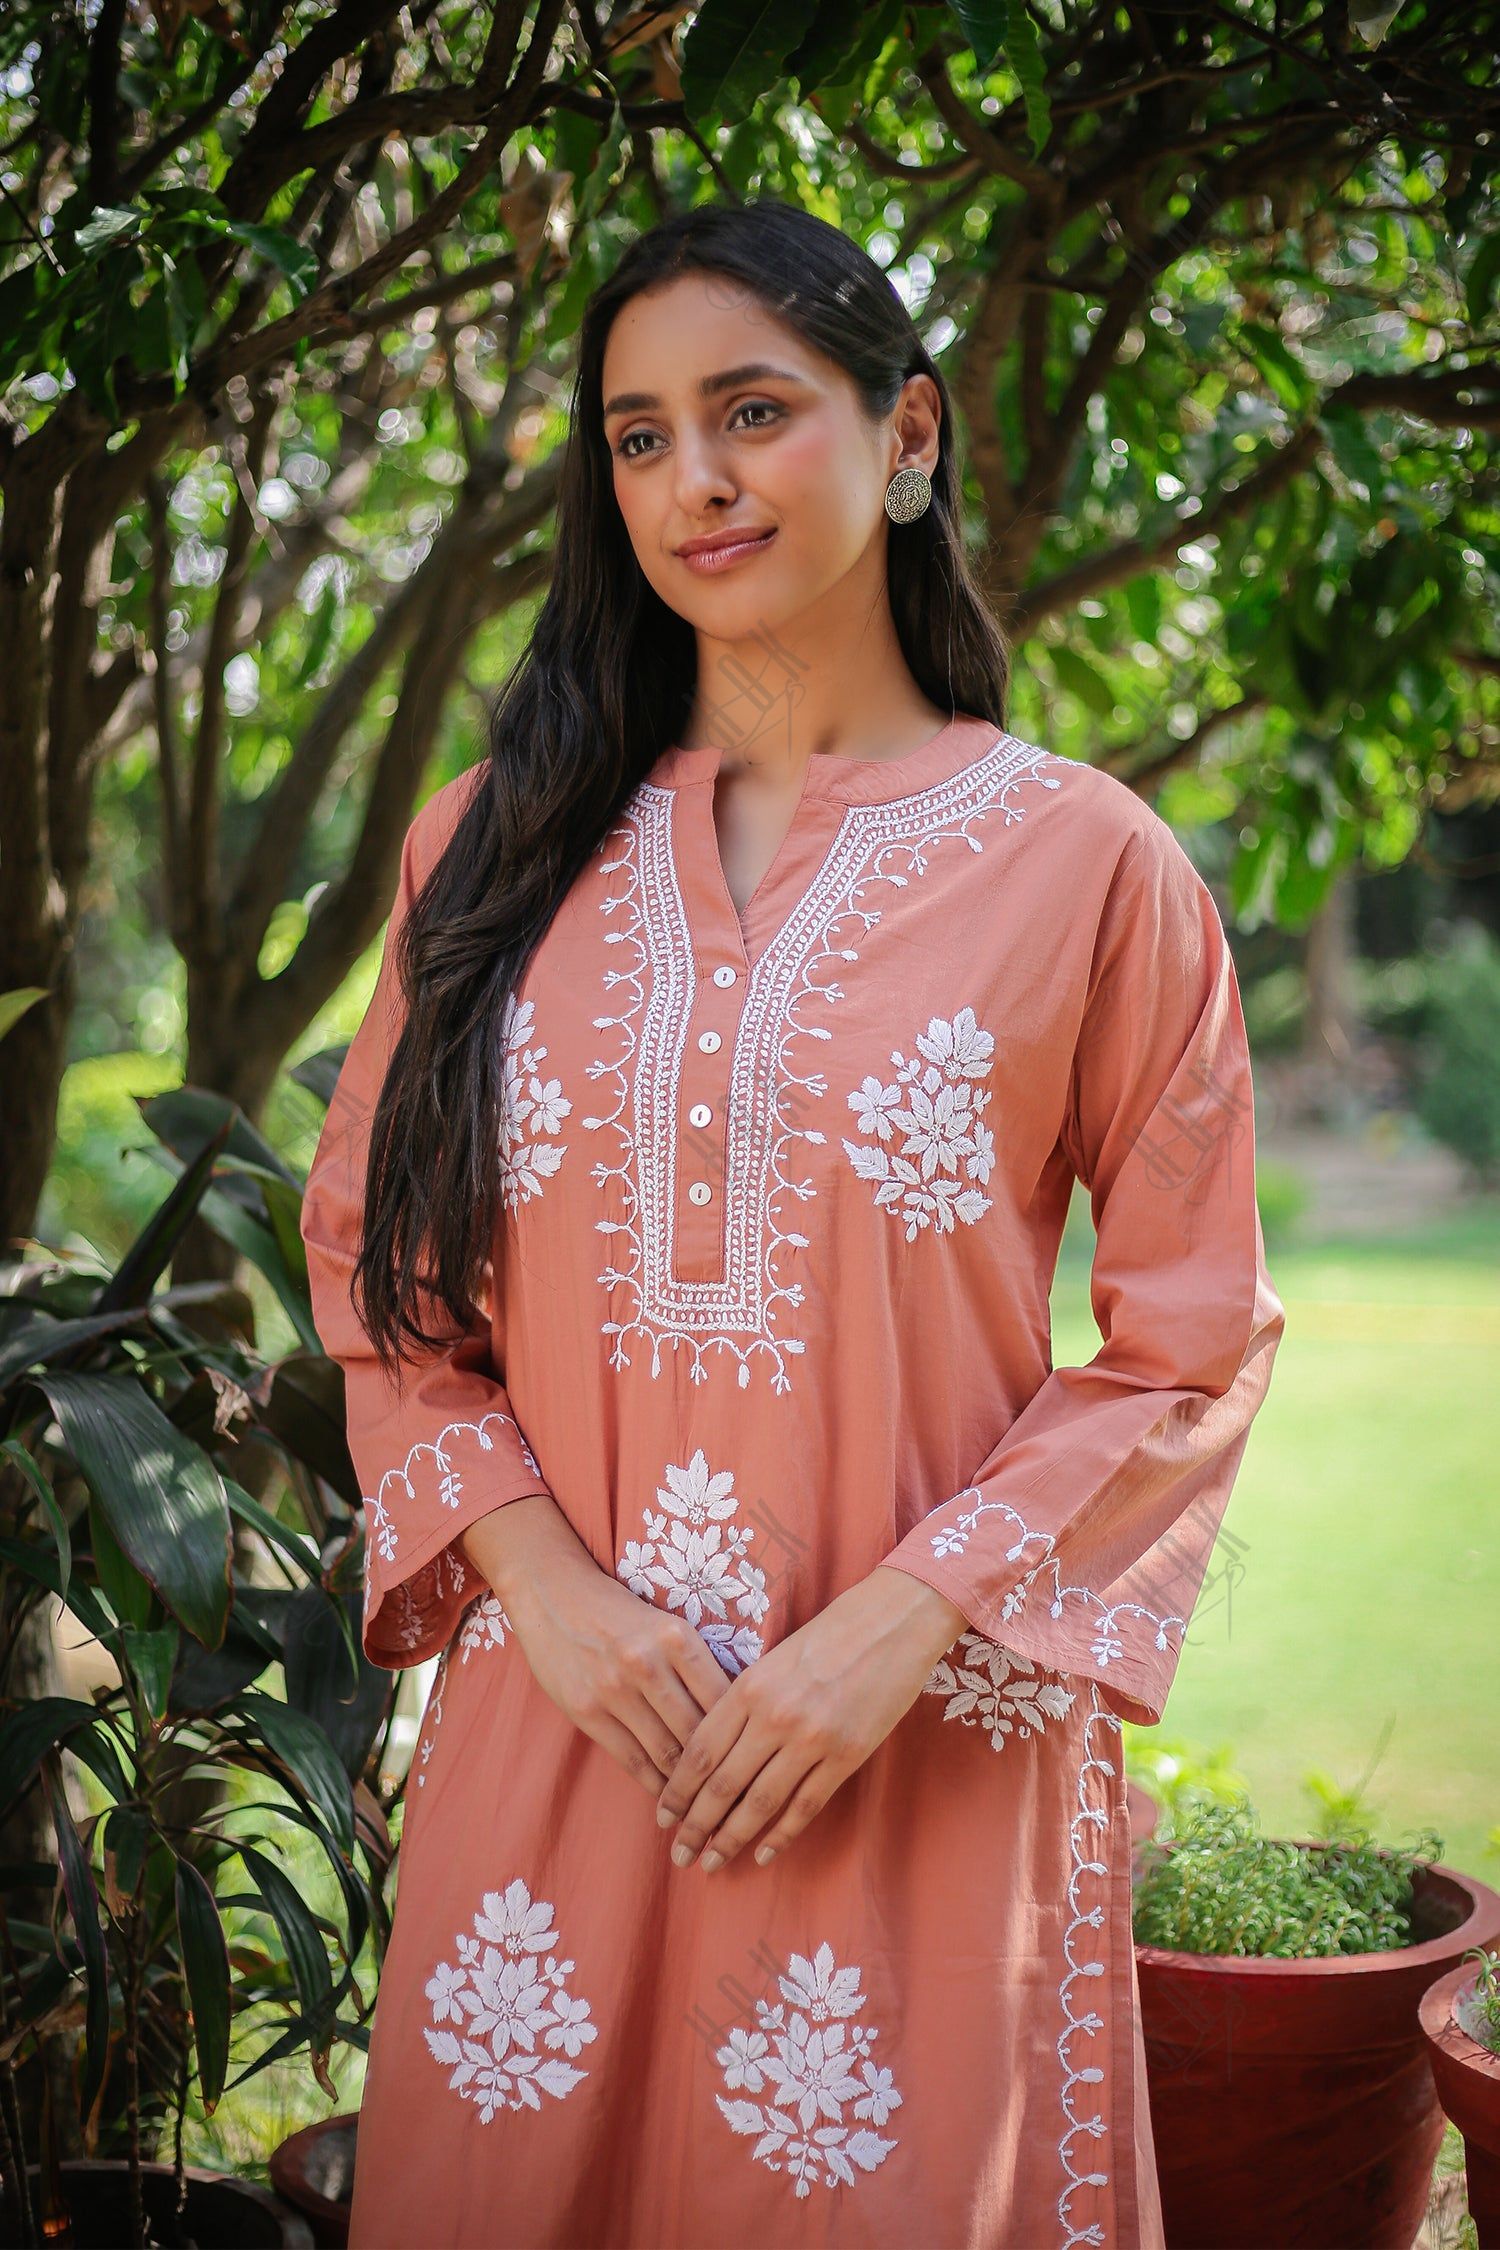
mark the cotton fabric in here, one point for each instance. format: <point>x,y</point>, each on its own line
<point>782,1201</point>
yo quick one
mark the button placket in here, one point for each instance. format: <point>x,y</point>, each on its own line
<point>703,1190</point>
<point>702,1122</point>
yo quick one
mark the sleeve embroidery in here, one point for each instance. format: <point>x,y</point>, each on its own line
<point>443,1448</point>
<point>1083,1539</point>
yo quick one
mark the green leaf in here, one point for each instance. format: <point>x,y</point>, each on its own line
<point>13,1005</point>
<point>1286,378</point>
<point>13,1450</point>
<point>30,1731</point>
<point>284,1209</point>
<point>128,1593</point>
<point>303,1558</point>
<point>1004,27</point>
<point>35,1343</point>
<point>305,1751</point>
<point>843,40</point>
<point>186,1117</point>
<point>321,627</point>
<point>1355,450</point>
<point>40,1562</point>
<point>982,23</point>
<point>319,1073</point>
<point>151,1652</point>
<point>160,1495</point>
<point>735,52</point>
<point>205,1961</point>
<point>109,225</point>
<point>151,1252</point>
<point>1082,679</point>
<point>1143,606</point>
<point>294,259</point>
<point>611,158</point>
<point>126,1834</point>
<point>300,1935</point>
<point>1484,272</point>
<point>186,304</point>
<point>83,1906</point>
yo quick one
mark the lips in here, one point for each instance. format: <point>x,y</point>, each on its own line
<point>724,549</point>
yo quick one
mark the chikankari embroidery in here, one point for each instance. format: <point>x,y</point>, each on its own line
<point>1083,2049</point>
<point>987,1686</point>
<point>926,1140</point>
<point>438,1461</point>
<point>1112,1621</point>
<point>511,2014</point>
<point>696,1555</point>
<point>431,1718</point>
<point>814,2075</point>
<point>484,1625</point>
<point>532,1107</point>
<point>749,1313</point>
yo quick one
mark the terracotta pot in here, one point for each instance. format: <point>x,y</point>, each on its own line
<point>1468,2084</point>
<point>1292,2101</point>
<point>314,2169</point>
<point>221,2209</point>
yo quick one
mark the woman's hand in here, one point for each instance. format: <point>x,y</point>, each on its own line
<point>635,1679</point>
<point>798,1720</point>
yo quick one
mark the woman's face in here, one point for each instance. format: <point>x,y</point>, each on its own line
<point>785,450</point>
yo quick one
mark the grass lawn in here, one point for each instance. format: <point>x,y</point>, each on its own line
<point>1365,1589</point>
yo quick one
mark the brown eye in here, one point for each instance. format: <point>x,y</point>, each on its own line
<point>746,406</point>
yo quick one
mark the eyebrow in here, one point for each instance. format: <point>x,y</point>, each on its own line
<point>755,370</point>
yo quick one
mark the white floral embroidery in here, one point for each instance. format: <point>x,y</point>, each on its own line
<point>987,1685</point>
<point>1109,1630</point>
<point>875,852</point>
<point>1095,1811</point>
<point>696,1555</point>
<point>812,2066</point>
<point>431,1718</point>
<point>436,1459</point>
<point>484,1625</point>
<point>938,1111</point>
<point>531,1107</point>
<point>420,1605</point>
<point>507,2007</point>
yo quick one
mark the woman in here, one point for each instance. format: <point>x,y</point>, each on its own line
<point>743,1023</point>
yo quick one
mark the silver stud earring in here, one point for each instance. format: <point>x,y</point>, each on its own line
<point>907,495</point>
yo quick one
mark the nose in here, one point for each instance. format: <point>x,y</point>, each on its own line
<point>702,476</point>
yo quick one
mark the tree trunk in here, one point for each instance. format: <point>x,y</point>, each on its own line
<point>1330,1025</point>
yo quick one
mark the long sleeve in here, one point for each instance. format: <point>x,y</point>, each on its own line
<point>442,1448</point>
<point>1084,1538</point>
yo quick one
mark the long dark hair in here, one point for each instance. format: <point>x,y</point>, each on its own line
<point>605,686</point>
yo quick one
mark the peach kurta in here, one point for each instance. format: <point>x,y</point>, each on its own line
<point>783,1196</point>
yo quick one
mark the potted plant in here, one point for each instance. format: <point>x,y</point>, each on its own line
<point>1280,1982</point>
<point>129,1414</point>
<point>1460,2017</point>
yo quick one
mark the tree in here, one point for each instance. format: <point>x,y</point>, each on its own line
<point>285,325</point>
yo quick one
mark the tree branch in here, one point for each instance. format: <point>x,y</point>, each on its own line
<point>1113,566</point>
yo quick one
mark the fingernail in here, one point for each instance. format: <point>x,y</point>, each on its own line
<point>682,1855</point>
<point>766,1852</point>
<point>711,1860</point>
<point>664,1816</point>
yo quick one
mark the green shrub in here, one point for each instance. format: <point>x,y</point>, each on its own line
<point>1486,2017</point>
<point>1225,1888</point>
<point>1458,1100</point>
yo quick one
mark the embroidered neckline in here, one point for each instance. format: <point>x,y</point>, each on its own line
<point>874,854</point>
<point>961,743</point>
